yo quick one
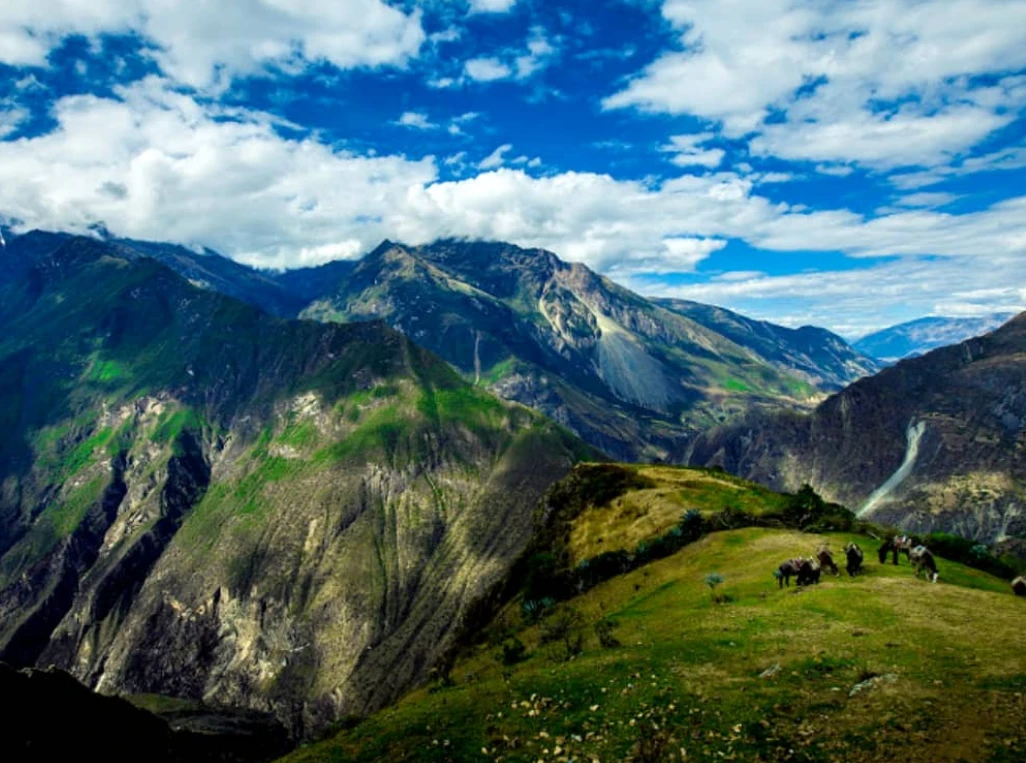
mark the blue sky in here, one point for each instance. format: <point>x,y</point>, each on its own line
<point>846,163</point>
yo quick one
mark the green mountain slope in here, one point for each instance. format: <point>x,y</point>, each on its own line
<point>934,443</point>
<point>634,379</point>
<point>654,666</point>
<point>819,356</point>
<point>202,501</point>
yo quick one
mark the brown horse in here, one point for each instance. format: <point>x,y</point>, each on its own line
<point>923,561</point>
<point>826,561</point>
<point>854,557</point>
<point>1019,586</point>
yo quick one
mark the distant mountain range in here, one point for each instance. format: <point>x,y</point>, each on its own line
<point>907,340</point>
<point>936,442</point>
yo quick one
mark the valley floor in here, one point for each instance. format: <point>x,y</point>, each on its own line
<point>881,667</point>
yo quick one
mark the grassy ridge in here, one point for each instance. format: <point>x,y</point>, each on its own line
<point>688,673</point>
<point>653,665</point>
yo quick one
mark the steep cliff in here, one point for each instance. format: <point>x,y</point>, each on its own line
<point>199,500</point>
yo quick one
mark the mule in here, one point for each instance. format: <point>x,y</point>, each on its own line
<point>853,555</point>
<point>923,561</point>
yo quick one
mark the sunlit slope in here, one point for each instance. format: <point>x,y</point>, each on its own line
<point>766,674</point>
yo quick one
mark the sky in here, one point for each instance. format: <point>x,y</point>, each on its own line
<point>846,163</point>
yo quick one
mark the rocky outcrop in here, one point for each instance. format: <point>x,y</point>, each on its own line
<point>933,443</point>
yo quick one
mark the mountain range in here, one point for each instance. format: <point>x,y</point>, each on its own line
<point>936,442</point>
<point>907,340</point>
<point>635,378</point>
<point>296,493</point>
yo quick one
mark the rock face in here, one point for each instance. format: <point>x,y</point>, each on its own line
<point>633,378</point>
<point>908,340</point>
<point>201,501</point>
<point>933,443</point>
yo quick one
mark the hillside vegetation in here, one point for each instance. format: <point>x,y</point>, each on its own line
<point>655,664</point>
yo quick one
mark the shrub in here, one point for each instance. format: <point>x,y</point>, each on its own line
<point>513,651</point>
<point>604,631</point>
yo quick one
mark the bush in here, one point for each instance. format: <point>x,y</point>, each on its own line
<point>971,554</point>
<point>513,651</point>
<point>604,631</point>
<point>564,627</point>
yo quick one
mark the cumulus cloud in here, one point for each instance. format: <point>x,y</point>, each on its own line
<point>495,159</point>
<point>209,43</point>
<point>886,84</point>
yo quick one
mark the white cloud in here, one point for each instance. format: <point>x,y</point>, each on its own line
<point>832,67</point>
<point>487,69</point>
<point>11,118</point>
<point>496,158</point>
<point>686,151</point>
<point>416,120</point>
<point>938,199</point>
<point>157,164</point>
<point>209,43</point>
<point>491,6</point>
<point>880,140</point>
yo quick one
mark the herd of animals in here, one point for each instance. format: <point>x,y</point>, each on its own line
<point>807,570</point>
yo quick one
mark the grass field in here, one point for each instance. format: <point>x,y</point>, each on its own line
<point>768,674</point>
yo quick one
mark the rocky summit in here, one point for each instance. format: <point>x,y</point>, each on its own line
<point>203,501</point>
<point>635,378</point>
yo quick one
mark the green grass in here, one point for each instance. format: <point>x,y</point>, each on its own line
<point>687,673</point>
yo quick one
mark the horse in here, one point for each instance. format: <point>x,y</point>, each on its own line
<point>786,571</point>
<point>923,561</point>
<point>1019,586</point>
<point>808,572</point>
<point>826,561</point>
<point>902,543</point>
<point>854,556</point>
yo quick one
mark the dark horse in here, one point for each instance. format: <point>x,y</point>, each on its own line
<point>901,543</point>
<point>786,571</point>
<point>1019,586</point>
<point>854,557</point>
<point>923,561</point>
<point>808,572</point>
